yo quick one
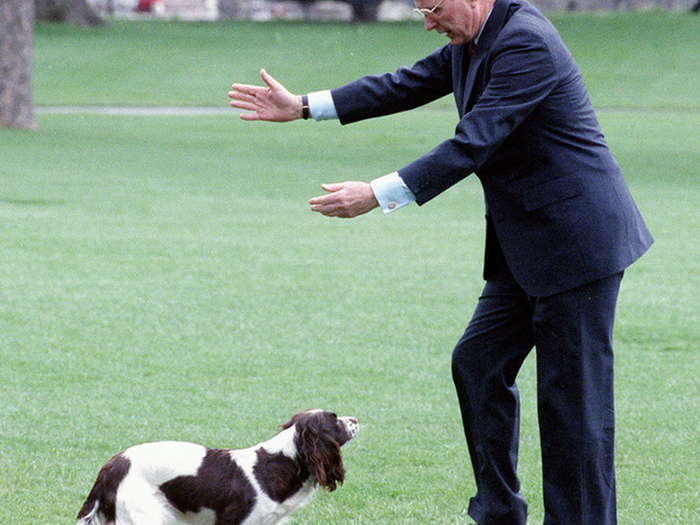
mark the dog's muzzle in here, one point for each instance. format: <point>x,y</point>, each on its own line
<point>352,427</point>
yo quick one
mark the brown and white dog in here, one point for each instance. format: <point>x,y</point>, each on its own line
<point>175,483</point>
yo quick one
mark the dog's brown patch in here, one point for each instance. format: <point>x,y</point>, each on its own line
<point>278,475</point>
<point>220,485</point>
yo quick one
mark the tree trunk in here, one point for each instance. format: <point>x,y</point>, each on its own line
<point>76,12</point>
<point>16,35</point>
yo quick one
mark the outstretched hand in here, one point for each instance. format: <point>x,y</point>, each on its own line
<point>345,200</point>
<point>272,103</point>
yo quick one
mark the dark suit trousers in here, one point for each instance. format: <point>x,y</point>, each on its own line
<point>572,334</point>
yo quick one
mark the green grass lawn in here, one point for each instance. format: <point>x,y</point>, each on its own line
<point>629,60</point>
<point>163,278</point>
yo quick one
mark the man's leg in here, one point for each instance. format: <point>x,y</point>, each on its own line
<point>573,336</point>
<point>485,363</point>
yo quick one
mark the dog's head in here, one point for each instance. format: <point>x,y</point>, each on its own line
<point>319,436</point>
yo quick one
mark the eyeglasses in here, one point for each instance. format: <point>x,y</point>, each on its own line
<point>426,12</point>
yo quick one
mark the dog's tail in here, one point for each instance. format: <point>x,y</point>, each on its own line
<point>100,506</point>
<point>88,516</point>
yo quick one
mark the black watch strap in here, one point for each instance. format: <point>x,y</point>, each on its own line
<point>305,113</point>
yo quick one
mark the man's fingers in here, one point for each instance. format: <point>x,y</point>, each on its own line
<point>250,109</point>
<point>331,210</point>
<point>332,197</point>
<point>240,94</point>
<point>243,99</point>
<point>345,200</point>
<point>249,116</point>
<point>324,204</point>
<point>242,104</point>
<point>246,90</point>
<point>320,201</point>
<point>337,186</point>
<point>267,78</point>
<point>272,102</point>
<point>241,88</point>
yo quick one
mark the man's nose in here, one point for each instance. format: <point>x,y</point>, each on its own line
<point>430,23</point>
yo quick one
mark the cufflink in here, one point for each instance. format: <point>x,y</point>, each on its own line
<point>391,205</point>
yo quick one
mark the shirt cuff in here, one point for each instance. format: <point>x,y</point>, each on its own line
<point>391,192</point>
<point>321,105</point>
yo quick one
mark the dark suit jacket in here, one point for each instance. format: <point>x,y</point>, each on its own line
<point>558,208</point>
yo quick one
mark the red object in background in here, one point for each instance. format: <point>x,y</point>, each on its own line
<point>145,6</point>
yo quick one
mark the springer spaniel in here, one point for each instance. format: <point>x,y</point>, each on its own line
<point>178,483</point>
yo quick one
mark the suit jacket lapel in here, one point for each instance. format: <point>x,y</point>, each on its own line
<point>491,30</point>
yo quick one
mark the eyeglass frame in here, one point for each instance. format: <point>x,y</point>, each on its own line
<point>425,12</point>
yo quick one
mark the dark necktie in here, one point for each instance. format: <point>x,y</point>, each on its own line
<point>472,48</point>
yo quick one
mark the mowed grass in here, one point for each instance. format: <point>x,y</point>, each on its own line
<point>163,278</point>
<point>631,60</point>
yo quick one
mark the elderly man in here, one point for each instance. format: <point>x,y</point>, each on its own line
<point>561,227</point>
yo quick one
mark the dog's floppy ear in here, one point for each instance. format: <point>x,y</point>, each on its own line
<point>318,450</point>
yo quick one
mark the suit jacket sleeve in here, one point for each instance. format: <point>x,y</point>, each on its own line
<point>519,73</point>
<point>374,96</point>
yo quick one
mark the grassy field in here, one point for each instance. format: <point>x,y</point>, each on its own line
<point>163,278</point>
